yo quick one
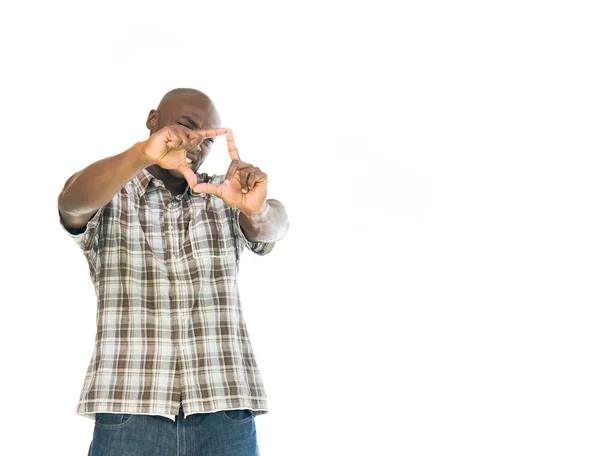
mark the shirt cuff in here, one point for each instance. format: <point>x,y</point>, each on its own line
<point>82,236</point>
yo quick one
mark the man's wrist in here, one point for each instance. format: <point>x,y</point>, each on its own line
<point>137,156</point>
<point>261,214</point>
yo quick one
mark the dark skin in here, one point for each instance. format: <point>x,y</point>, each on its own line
<point>192,110</point>
<point>182,129</point>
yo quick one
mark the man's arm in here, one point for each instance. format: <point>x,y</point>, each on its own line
<point>268,225</point>
<point>245,188</point>
<point>93,187</point>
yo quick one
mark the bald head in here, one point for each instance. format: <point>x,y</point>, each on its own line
<point>184,103</point>
<point>175,95</point>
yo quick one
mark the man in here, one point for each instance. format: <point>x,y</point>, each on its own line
<point>173,365</point>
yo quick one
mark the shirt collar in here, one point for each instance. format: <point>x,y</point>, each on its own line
<point>142,180</point>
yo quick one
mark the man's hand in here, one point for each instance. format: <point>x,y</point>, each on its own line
<point>168,147</point>
<point>245,186</point>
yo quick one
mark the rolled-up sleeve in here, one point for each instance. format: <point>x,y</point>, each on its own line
<point>85,237</point>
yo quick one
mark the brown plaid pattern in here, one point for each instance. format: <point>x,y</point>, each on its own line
<point>169,318</point>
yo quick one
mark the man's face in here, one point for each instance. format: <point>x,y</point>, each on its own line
<point>192,111</point>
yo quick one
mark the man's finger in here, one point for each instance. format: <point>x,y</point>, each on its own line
<point>185,143</point>
<point>189,175</point>
<point>207,188</point>
<point>210,133</point>
<point>195,142</point>
<point>233,152</point>
<point>231,170</point>
<point>234,166</point>
<point>174,141</point>
<point>255,177</point>
<point>245,174</point>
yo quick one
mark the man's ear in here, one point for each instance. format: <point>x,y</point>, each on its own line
<point>152,121</point>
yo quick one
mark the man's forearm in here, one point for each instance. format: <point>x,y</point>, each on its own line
<point>269,225</point>
<point>94,186</point>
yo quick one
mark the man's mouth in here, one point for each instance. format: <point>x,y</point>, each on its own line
<point>192,159</point>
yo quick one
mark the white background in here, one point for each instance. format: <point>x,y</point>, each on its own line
<point>437,292</point>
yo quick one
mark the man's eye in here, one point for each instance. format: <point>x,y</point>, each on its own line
<point>184,125</point>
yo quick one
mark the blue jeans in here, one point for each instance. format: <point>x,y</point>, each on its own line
<point>223,433</point>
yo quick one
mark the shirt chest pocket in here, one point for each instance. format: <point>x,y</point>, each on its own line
<point>211,232</point>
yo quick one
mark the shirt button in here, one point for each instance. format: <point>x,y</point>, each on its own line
<point>170,227</point>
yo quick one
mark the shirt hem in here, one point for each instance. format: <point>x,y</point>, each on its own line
<point>91,414</point>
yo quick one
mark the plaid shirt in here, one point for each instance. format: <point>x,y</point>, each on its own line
<point>170,329</point>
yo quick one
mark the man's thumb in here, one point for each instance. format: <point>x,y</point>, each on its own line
<point>207,188</point>
<point>189,175</point>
